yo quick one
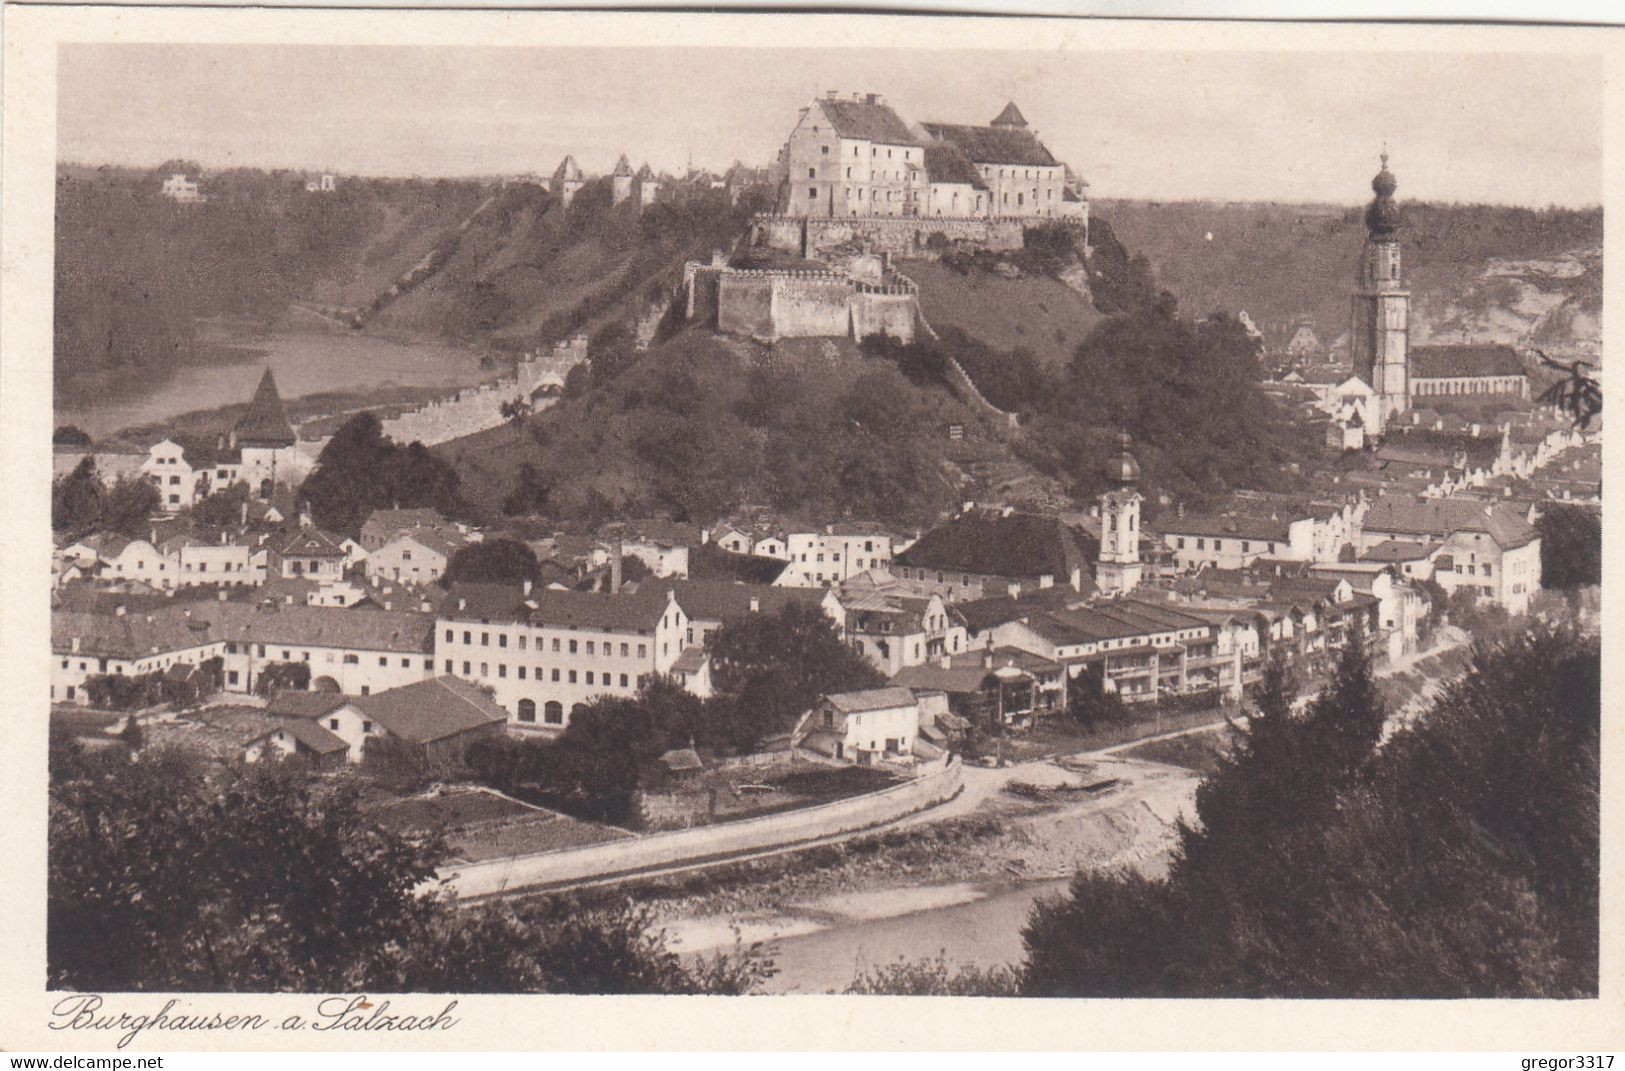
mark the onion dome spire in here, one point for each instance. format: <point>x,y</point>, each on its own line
<point>1382,216</point>
<point>1122,470</point>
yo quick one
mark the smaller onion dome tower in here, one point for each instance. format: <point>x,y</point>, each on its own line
<point>1120,568</point>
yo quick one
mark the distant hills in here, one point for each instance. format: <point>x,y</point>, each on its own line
<point>1483,272</point>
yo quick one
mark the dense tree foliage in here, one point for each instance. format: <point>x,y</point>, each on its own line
<point>360,471</point>
<point>1187,391</point>
<point>693,430</point>
<point>1570,547</point>
<point>82,504</point>
<point>1459,860</point>
<point>70,435</point>
<point>777,665</point>
<point>259,878</point>
<point>494,560</point>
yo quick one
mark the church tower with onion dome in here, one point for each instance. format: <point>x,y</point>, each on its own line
<point>1119,569</point>
<point>1379,339</point>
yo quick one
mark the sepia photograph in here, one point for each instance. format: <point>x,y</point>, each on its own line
<point>817,516</point>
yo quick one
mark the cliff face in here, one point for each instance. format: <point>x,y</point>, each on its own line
<point>1554,302</point>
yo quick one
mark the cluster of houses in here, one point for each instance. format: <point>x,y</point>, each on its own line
<point>994,615</point>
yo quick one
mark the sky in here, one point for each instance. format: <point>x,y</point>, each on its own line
<point>1282,126</point>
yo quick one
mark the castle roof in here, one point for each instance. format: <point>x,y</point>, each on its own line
<point>644,174</point>
<point>266,422</point>
<point>867,120</point>
<point>1446,362</point>
<point>995,145</point>
<point>944,162</point>
<point>622,167</point>
<point>1011,116</point>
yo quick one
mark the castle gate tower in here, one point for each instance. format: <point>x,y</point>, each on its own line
<point>1379,338</point>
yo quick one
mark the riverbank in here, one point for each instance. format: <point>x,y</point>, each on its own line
<point>959,887</point>
<point>318,372</point>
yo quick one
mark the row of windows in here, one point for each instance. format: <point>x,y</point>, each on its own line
<point>557,676</point>
<point>350,657</point>
<point>574,647</point>
<point>1218,544</point>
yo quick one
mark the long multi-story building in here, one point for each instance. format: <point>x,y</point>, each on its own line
<point>545,653</point>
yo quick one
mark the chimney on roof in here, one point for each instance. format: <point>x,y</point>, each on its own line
<point>222,595</point>
<point>987,655</point>
<point>615,568</point>
<point>74,644</point>
<point>389,604</point>
<point>462,604</point>
<point>118,611</point>
<point>152,534</point>
<point>425,606</point>
<point>527,587</point>
<point>946,660</point>
<point>755,604</point>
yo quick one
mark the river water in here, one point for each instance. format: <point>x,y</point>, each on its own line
<point>985,932</point>
<point>304,362</point>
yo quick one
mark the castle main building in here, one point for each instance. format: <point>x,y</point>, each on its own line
<point>856,157</point>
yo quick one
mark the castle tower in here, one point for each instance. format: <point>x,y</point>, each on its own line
<point>264,440</point>
<point>1379,336</point>
<point>567,179</point>
<point>1120,566</point>
<point>621,180</point>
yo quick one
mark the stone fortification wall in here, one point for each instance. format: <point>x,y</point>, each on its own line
<point>812,306</point>
<point>884,311</point>
<point>770,303</point>
<point>815,236</point>
<point>938,781</point>
<point>745,304</point>
<point>478,409</point>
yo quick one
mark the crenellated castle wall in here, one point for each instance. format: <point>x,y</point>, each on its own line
<point>813,236</point>
<point>773,303</point>
<point>478,409</point>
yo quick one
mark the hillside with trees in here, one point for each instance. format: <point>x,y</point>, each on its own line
<point>136,273</point>
<point>1495,272</point>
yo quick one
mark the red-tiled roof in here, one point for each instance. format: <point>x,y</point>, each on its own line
<point>867,121</point>
<point>1446,362</point>
<point>1018,545</point>
<point>944,162</point>
<point>431,710</point>
<point>995,145</point>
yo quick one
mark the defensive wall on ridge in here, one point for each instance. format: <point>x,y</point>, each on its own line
<point>937,782</point>
<point>908,236</point>
<point>477,409</point>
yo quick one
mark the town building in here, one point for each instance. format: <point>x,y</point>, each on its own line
<point>1488,548</point>
<point>415,556</point>
<point>182,190</point>
<point>837,553</point>
<point>899,624</point>
<point>992,686</point>
<point>865,728</point>
<point>546,653</point>
<point>985,552</point>
<point>436,719</point>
